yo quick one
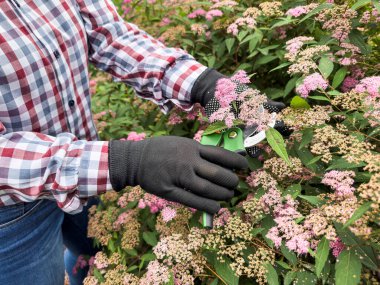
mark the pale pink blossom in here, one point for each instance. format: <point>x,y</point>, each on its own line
<point>311,83</point>
<point>133,136</point>
<point>168,214</point>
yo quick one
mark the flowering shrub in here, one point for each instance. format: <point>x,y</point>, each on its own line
<point>307,212</point>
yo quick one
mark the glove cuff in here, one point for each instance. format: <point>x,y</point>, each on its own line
<point>204,87</point>
<point>123,162</point>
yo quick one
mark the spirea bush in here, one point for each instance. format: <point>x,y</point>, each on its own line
<point>307,211</point>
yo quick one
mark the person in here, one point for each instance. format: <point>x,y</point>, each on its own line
<point>51,161</point>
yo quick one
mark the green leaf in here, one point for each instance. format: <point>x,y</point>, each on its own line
<point>229,44</point>
<point>314,160</point>
<point>320,98</point>
<point>148,257</point>
<point>305,277</point>
<point>339,77</point>
<point>242,35</point>
<point>289,255</point>
<point>299,103</point>
<point>357,39</point>
<point>264,60</point>
<point>321,255</point>
<point>358,214</point>
<point>360,4</point>
<point>326,66</point>
<point>282,65</point>
<point>289,277</point>
<point>316,10</point>
<point>132,268</point>
<point>283,264</point>
<point>150,238</point>
<point>341,163</point>
<point>276,141</point>
<point>347,268</point>
<point>314,200</point>
<point>215,127</point>
<point>98,275</point>
<point>215,282</point>
<point>282,22</point>
<point>307,137</point>
<point>290,85</point>
<point>293,190</point>
<point>334,93</point>
<point>256,231</point>
<point>225,271</point>
<point>272,276</point>
<point>376,3</point>
<point>366,253</point>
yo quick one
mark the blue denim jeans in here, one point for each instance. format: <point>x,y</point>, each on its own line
<point>32,239</point>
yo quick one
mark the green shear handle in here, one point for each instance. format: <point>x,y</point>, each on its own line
<point>231,139</point>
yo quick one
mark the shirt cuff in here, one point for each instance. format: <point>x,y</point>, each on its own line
<point>178,82</point>
<point>94,178</point>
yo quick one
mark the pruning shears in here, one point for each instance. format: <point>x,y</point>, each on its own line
<point>237,140</point>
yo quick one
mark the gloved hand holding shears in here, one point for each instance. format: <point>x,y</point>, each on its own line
<point>180,169</point>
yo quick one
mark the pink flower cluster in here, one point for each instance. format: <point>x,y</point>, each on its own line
<point>133,136</point>
<point>80,264</point>
<point>196,13</point>
<point>296,237</point>
<point>210,15</point>
<point>301,10</point>
<point>294,45</point>
<point>168,214</point>
<point>349,83</point>
<point>248,22</point>
<point>224,4</point>
<point>337,247</point>
<point>154,203</point>
<point>370,85</point>
<point>340,181</point>
<point>222,217</point>
<point>225,92</point>
<point>312,83</point>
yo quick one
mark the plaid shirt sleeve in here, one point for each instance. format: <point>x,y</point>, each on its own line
<point>156,72</point>
<point>35,166</point>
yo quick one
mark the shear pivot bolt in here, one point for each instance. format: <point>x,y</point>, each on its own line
<point>232,135</point>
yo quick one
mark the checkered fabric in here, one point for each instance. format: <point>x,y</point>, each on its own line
<point>48,146</point>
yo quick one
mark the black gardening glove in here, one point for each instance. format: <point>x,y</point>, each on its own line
<point>203,93</point>
<point>177,169</point>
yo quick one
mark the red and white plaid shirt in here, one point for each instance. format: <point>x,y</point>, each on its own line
<point>48,146</point>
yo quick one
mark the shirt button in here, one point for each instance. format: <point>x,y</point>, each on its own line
<point>71,103</point>
<point>56,54</point>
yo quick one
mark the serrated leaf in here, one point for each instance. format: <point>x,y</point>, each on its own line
<point>358,214</point>
<point>289,277</point>
<point>360,4</point>
<point>314,160</point>
<point>283,264</point>
<point>305,277</point>
<point>264,60</point>
<point>334,93</point>
<point>339,77</point>
<point>272,276</point>
<point>290,85</point>
<point>256,231</point>
<point>148,257</point>
<point>341,163</point>
<point>326,67</point>
<point>321,255</point>
<point>320,98</point>
<point>289,255</point>
<point>347,268</point>
<point>229,44</point>
<point>276,141</point>
<point>225,271</point>
<point>282,65</point>
<point>365,252</point>
<point>215,127</point>
<point>357,39</point>
<point>299,103</point>
<point>314,200</point>
<point>150,238</point>
<point>307,137</point>
<point>293,190</point>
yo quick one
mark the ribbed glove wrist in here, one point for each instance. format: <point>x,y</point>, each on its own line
<point>124,160</point>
